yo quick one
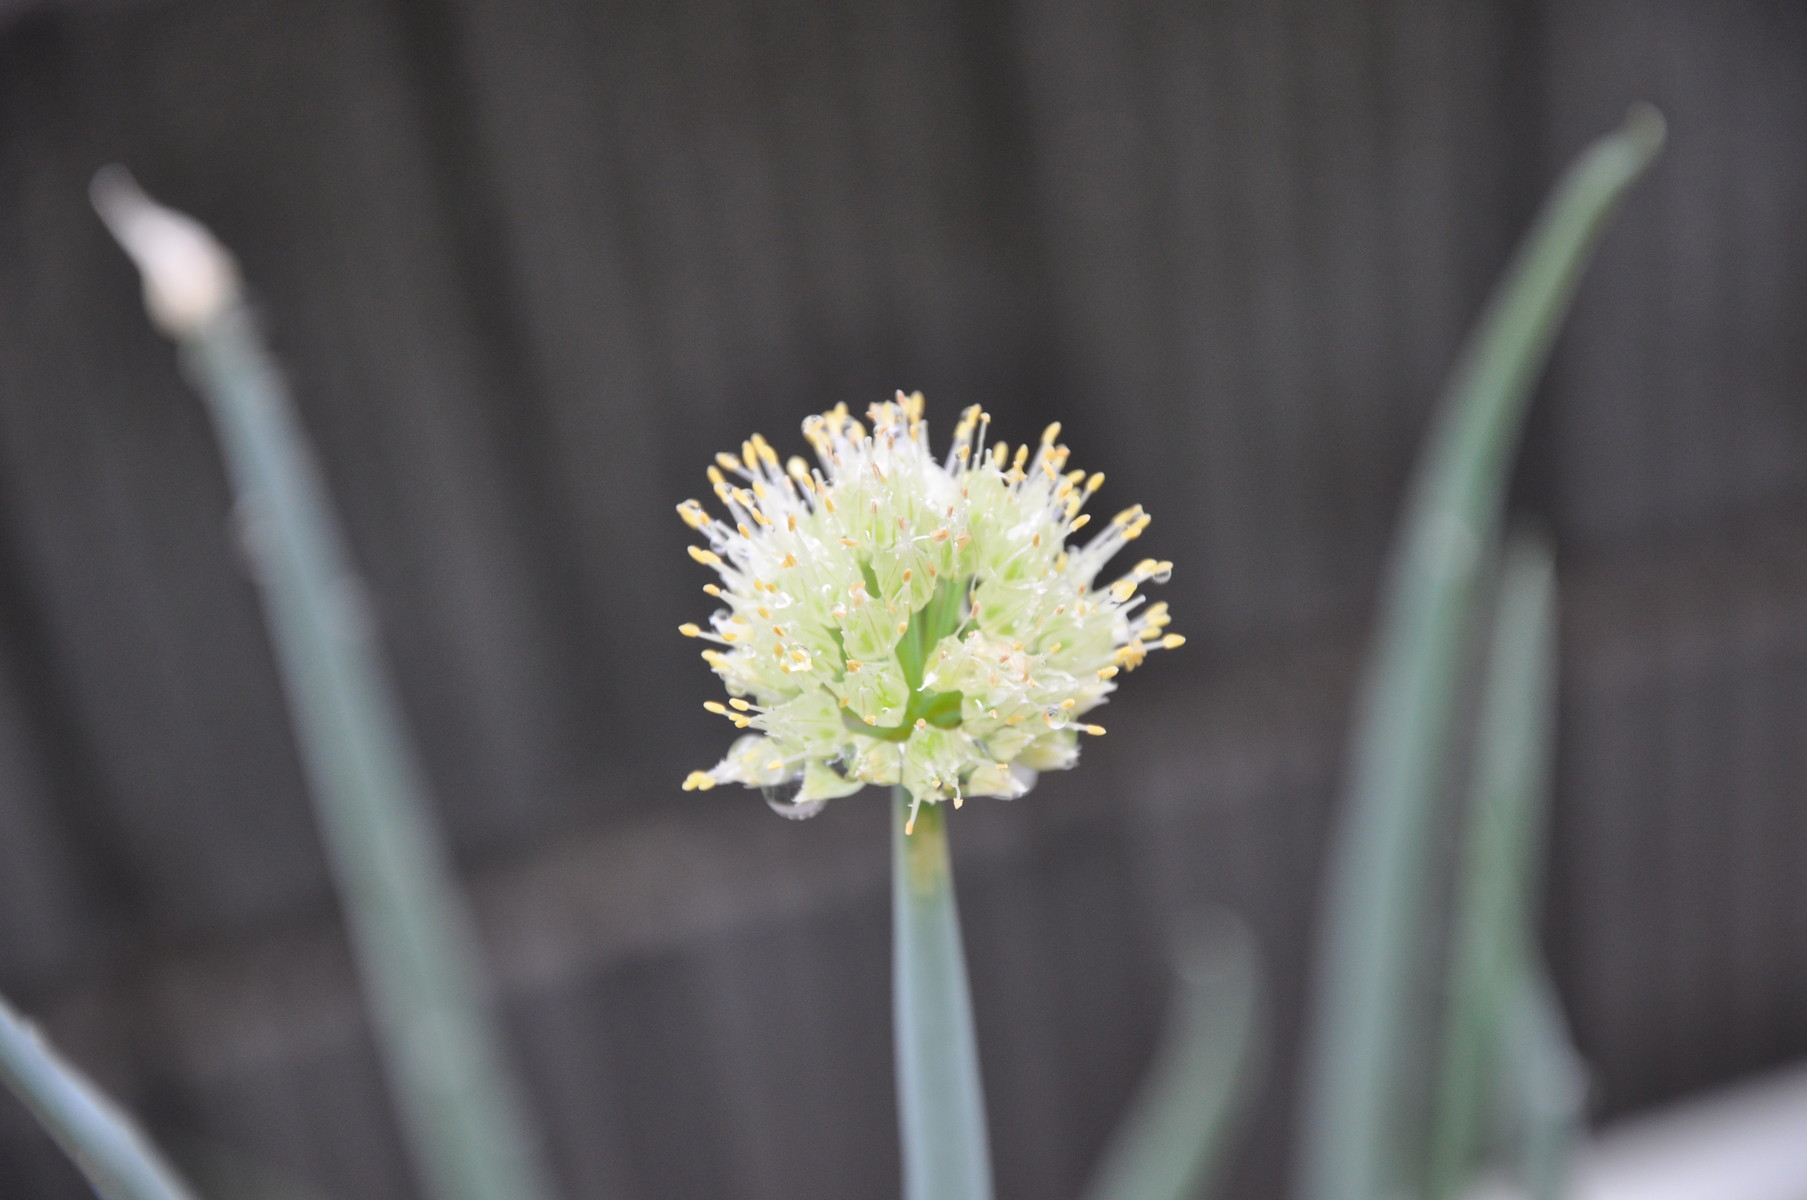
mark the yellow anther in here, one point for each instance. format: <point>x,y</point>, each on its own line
<point>922,723</point>
<point>1128,515</point>
<point>727,462</point>
<point>854,664</point>
<point>903,627</point>
<point>790,522</point>
<point>744,531</point>
<point>738,703</point>
<point>1173,641</point>
<point>767,455</point>
<point>1022,456</point>
<point>1080,522</point>
<point>730,636</point>
<point>1069,703</point>
<point>1094,730</point>
<point>871,720</point>
<point>698,781</point>
<point>1122,590</point>
<point>1095,482</point>
<point>1147,567</point>
<point>940,535</point>
<point>711,589</point>
<point>1050,433</point>
<point>1107,672</point>
<point>850,543</point>
<point>716,707</point>
<point>797,469</point>
<point>765,614</point>
<point>1013,719</point>
<point>690,630</point>
<point>778,630</point>
<point>708,558</point>
<point>790,560</point>
<point>907,574</point>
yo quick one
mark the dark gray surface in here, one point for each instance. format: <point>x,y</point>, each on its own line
<point>530,261</point>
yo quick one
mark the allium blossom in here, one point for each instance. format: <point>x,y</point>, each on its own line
<point>893,619</point>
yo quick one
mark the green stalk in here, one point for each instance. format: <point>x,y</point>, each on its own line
<point>117,1159</point>
<point>410,927</point>
<point>940,1101</point>
<point>1370,937</point>
<point>1172,1141</point>
<point>1496,912</point>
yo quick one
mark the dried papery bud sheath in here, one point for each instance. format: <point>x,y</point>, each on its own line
<point>895,618</point>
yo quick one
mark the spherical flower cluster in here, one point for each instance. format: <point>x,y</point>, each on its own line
<point>894,619</point>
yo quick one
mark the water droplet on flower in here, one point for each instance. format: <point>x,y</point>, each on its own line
<point>783,800</point>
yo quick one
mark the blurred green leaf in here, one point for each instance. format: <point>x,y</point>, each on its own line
<point>1546,1086</point>
<point>409,922</point>
<point>115,1157</point>
<point>1356,1115</point>
<point>940,1100</point>
<point>1496,909</point>
<point>1171,1142</point>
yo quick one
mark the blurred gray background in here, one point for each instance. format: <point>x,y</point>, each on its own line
<point>529,262</point>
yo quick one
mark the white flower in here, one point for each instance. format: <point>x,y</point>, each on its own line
<point>891,619</point>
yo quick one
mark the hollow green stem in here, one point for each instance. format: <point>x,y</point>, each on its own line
<point>410,926</point>
<point>118,1161</point>
<point>940,1100</point>
<point>1370,937</point>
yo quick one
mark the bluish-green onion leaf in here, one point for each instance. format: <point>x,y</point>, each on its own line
<point>1496,910</point>
<point>1356,1107</point>
<point>118,1161</point>
<point>409,922</point>
<point>1170,1145</point>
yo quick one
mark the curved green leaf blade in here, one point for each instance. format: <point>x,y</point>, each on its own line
<point>1496,911</point>
<point>1172,1140</point>
<point>1370,936</point>
<point>117,1159</point>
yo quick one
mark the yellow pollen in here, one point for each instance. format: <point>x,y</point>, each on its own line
<point>690,630</point>
<point>698,781</point>
<point>1122,590</point>
<point>1050,433</point>
<point>1094,730</point>
<point>708,558</point>
<point>737,702</point>
<point>711,589</point>
<point>1173,641</point>
<point>728,462</point>
<point>1107,672</point>
<point>1095,482</point>
<point>1081,521</point>
<point>716,707</point>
